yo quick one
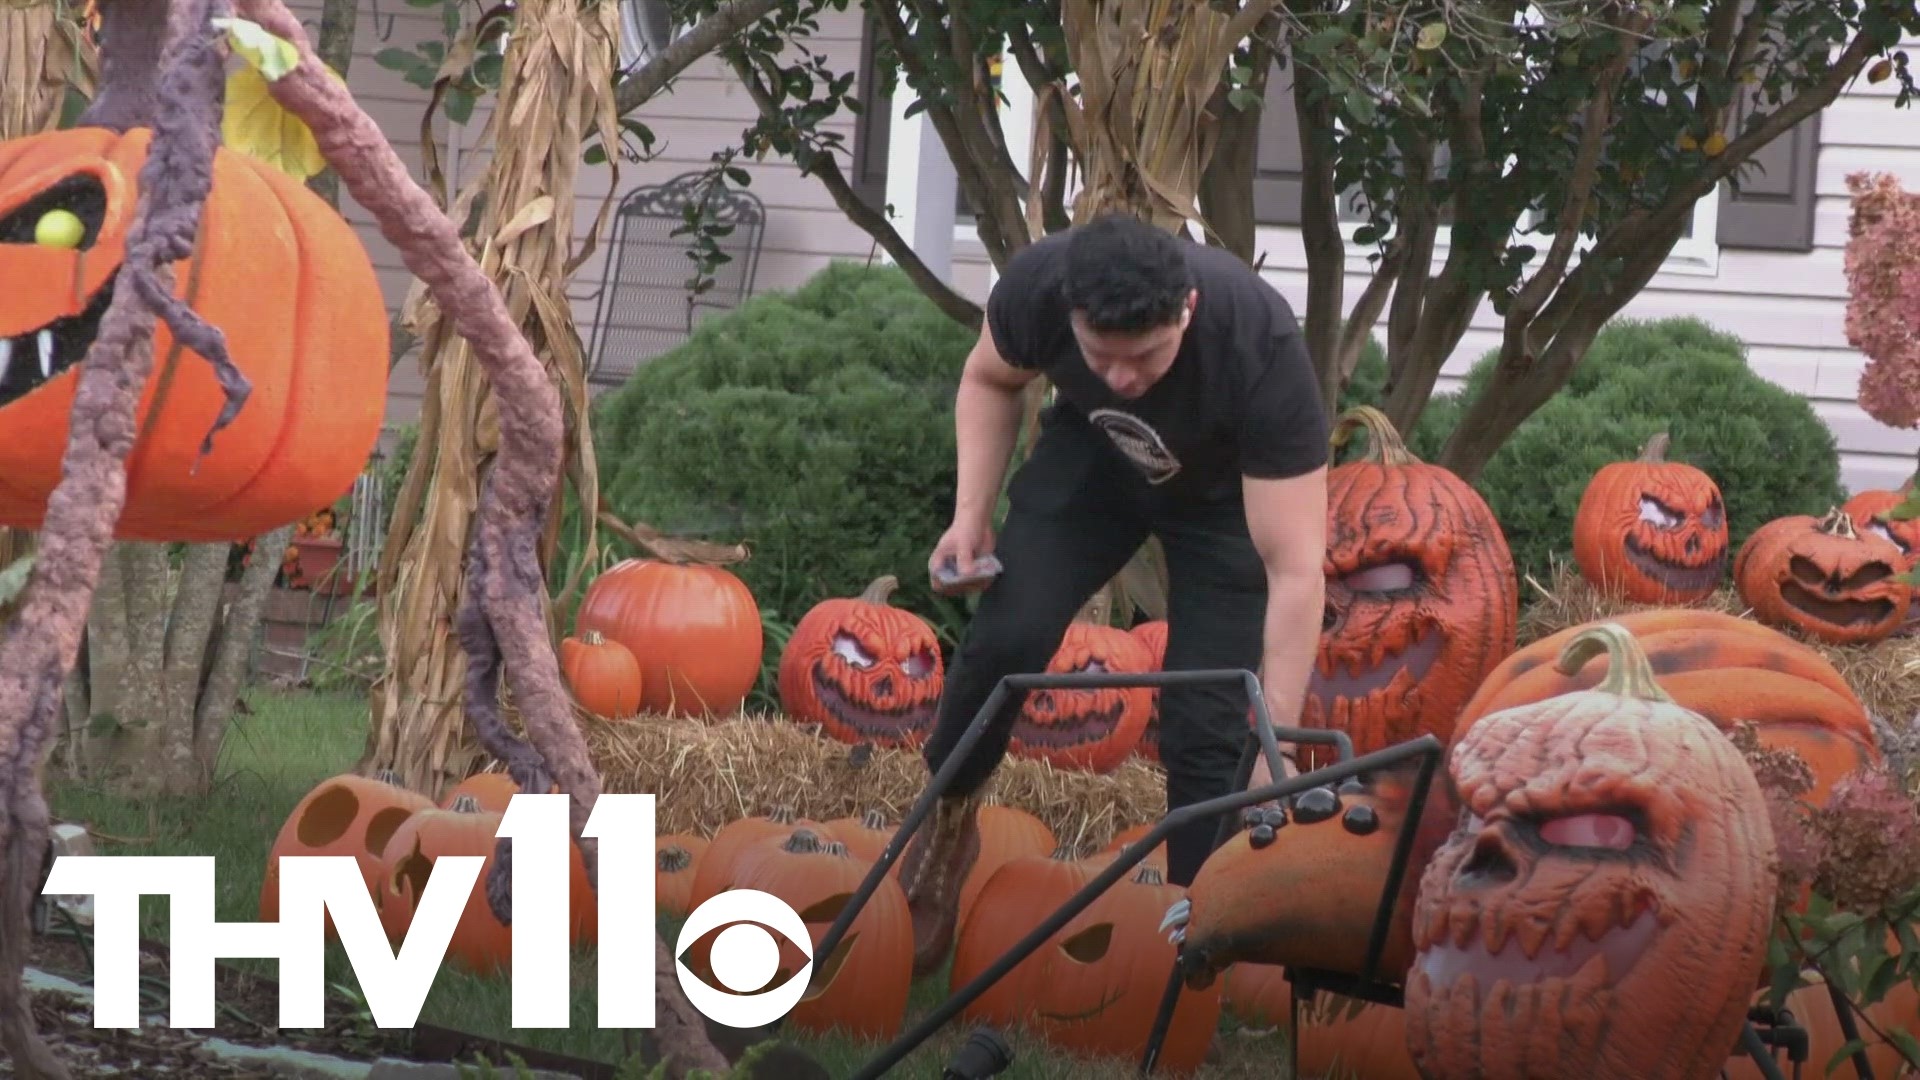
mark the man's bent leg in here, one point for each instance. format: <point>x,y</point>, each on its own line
<point>1067,533</point>
<point>1216,616</point>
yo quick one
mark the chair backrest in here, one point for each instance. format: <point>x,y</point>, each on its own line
<point>646,303</point>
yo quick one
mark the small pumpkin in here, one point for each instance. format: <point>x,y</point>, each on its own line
<point>1612,871</point>
<point>716,865</point>
<point>490,791</point>
<point>1105,972</point>
<point>1652,531</point>
<point>342,815</point>
<point>1422,599</point>
<point>482,940</point>
<point>1725,668</point>
<point>864,670</point>
<point>675,856</point>
<point>1152,634</point>
<point>694,628</point>
<point>604,675</point>
<point>1091,730</point>
<point>279,272</point>
<point>866,836</point>
<point>1824,578</point>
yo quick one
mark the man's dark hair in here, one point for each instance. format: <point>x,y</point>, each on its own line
<point>1126,274</point>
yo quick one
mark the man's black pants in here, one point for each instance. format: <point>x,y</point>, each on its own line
<point>1077,512</point>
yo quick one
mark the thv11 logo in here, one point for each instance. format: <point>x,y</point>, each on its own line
<point>743,956</point>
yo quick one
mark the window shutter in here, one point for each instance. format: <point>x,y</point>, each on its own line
<point>1278,166</point>
<point>1773,210</point>
<point>873,128</point>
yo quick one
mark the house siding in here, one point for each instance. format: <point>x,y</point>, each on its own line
<point>1789,307</point>
<point>704,112</point>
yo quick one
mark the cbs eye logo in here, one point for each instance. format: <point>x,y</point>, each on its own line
<point>744,956</point>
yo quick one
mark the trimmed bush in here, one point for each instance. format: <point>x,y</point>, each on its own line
<point>1766,447</point>
<point>816,426</point>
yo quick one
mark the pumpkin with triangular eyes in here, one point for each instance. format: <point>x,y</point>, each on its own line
<point>1652,531</point>
<point>1825,578</point>
<point>281,275</point>
<point>864,670</point>
<point>1421,596</point>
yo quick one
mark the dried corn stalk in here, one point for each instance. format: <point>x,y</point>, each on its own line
<point>556,84</point>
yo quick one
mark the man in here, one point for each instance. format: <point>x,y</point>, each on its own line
<point>1188,409</point>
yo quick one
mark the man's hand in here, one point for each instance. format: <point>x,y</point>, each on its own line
<point>964,543</point>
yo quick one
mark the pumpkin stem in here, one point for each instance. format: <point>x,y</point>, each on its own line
<point>1838,523</point>
<point>592,638</point>
<point>1629,674</point>
<point>881,588</point>
<point>1384,443</point>
<point>669,549</point>
<point>1148,874</point>
<point>388,776</point>
<point>1656,449</point>
<point>465,804</point>
<point>672,860</point>
<point>803,842</point>
<point>781,815</point>
<point>873,819</point>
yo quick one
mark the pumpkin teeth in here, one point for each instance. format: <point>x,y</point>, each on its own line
<point>1532,934</point>
<point>1466,921</point>
<point>29,360</point>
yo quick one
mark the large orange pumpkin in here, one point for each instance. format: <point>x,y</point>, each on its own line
<point>1093,730</point>
<point>1422,600</point>
<point>276,269</point>
<point>1603,906</point>
<point>1013,900</point>
<point>1651,530</point>
<point>864,670</point>
<point>1824,578</point>
<point>695,630</point>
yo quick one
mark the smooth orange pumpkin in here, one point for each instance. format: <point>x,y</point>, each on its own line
<point>1651,530</point>
<point>1422,599</point>
<point>1824,578</point>
<point>865,835</point>
<point>675,857</point>
<point>1612,872</point>
<point>1091,730</point>
<point>864,670</point>
<point>711,877</point>
<point>342,815</point>
<point>278,271</point>
<point>603,674</point>
<point>1006,833</point>
<point>694,629</point>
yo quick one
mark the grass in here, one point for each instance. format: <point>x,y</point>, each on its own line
<point>291,741</point>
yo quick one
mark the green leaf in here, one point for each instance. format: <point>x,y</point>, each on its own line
<point>1360,105</point>
<point>1905,1040</point>
<point>1431,36</point>
<point>1852,1046</point>
<point>270,54</point>
<point>1243,99</point>
<point>13,579</point>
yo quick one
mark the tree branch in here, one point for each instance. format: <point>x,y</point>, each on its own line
<point>1326,248</point>
<point>1366,311</point>
<point>959,308</point>
<point>229,668</point>
<point>714,30</point>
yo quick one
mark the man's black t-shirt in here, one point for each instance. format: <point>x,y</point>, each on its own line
<point>1241,398</point>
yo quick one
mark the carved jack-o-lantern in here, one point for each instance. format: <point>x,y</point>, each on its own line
<point>1094,730</point>
<point>1422,600</point>
<point>1870,512</point>
<point>275,269</point>
<point>1824,578</point>
<point>1603,907</point>
<point>1652,531</point>
<point>864,670</point>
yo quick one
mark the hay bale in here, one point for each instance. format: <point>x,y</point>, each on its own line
<point>707,774</point>
<point>1881,673</point>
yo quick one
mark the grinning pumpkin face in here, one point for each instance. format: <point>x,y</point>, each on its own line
<point>864,670</point>
<point>1421,602</point>
<point>1653,531</point>
<point>1823,577</point>
<point>275,269</point>
<point>1603,907</point>
<point>1870,512</point>
<point>1094,730</point>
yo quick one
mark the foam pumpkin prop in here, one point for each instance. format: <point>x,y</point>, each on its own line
<point>1092,730</point>
<point>1011,902</point>
<point>694,628</point>
<point>1152,634</point>
<point>1422,600</point>
<point>275,269</point>
<point>1604,905</point>
<point>342,815</point>
<point>1871,513</point>
<point>864,670</point>
<point>1725,668</point>
<point>1652,531</point>
<point>603,674</point>
<point>1824,578</point>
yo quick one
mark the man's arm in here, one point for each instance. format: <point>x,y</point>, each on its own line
<point>986,418</point>
<point>1288,521</point>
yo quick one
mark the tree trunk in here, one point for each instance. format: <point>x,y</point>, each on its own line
<point>1226,184</point>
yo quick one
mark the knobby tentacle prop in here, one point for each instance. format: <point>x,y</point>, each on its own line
<point>183,110</point>
<point>500,620</point>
